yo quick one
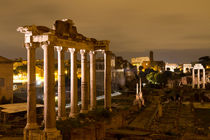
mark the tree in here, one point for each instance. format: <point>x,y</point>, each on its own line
<point>205,60</point>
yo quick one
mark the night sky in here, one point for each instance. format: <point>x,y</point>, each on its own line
<point>176,30</point>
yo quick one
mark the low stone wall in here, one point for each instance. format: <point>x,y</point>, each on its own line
<point>97,130</point>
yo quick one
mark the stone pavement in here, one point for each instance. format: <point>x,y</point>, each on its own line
<point>177,122</point>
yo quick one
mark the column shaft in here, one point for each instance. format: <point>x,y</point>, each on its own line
<point>84,86</point>
<point>49,87</point>
<point>204,79</point>
<point>88,85</point>
<point>193,78</point>
<point>198,78</point>
<point>92,81</point>
<point>61,85</point>
<point>107,80</point>
<point>74,86</point>
<point>31,88</point>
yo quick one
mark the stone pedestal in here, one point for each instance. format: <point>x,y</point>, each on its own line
<point>51,134</point>
<point>32,134</point>
<point>74,94</point>
<point>84,86</point>
<point>107,80</point>
<point>61,85</point>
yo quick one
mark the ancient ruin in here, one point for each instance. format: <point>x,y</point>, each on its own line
<point>197,80</point>
<point>63,37</point>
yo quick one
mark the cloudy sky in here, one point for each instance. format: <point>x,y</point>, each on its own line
<point>176,30</point>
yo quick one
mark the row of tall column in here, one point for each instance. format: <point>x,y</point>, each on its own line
<point>198,78</point>
<point>49,85</point>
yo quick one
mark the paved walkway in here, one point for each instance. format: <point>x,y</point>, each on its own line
<point>143,120</point>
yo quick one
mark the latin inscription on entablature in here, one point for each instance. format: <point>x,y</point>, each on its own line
<point>40,38</point>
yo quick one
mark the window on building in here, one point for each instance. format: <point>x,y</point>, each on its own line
<point>1,82</point>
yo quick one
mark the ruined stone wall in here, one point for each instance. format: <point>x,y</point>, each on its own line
<point>6,81</point>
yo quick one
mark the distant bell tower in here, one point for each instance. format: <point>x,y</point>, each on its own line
<point>151,56</point>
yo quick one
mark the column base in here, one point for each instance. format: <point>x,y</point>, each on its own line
<point>51,134</point>
<point>73,115</point>
<point>31,126</point>
<point>30,131</point>
<point>84,111</point>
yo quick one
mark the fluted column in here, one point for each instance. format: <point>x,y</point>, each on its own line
<point>74,86</point>
<point>198,78</point>
<point>61,84</point>
<point>84,87</point>
<point>193,78</point>
<point>204,79</point>
<point>31,87</point>
<point>49,89</point>
<point>92,80</point>
<point>107,80</point>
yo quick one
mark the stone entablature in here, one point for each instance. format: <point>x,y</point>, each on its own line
<point>64,34</point>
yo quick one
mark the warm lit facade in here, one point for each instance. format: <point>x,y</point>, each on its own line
<point>171,66</point>
<point>6,79</point>
<point>20,74</point>
<point>138,61</point>
<point>155,65</point>
<point>187,68</point>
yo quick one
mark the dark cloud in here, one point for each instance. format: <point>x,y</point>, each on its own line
<point>132,27</point>
<point>172,19</point>
<point>171,55</point>
<point>198,37</point>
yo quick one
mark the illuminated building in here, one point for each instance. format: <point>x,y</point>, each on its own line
<point>6,77</point>
<point>148,63</point>
<point>171,66</point>
<point>138,61</point>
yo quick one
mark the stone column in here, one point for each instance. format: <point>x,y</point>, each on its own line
<point>140,86</point>
<point>92,80</point>
<point>193,78</point>
<point>107,80</point>
<point>61,84</point>
<point>137,88</point>
<point>84,87</point>
<point>74,86</point>
<point>31,90</point>
<point>198,78</point>
<point>204,79</point>
<point>49,92</point>
<point>88,85</point>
